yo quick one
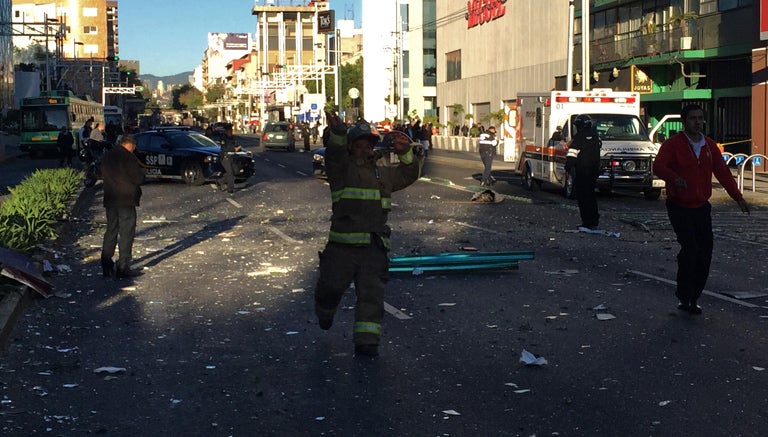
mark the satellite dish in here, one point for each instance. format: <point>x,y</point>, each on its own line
<point>353,93</point>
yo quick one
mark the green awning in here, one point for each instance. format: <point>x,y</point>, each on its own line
<point>700,94</point>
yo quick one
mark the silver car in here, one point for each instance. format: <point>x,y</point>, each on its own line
<point>278,135</point>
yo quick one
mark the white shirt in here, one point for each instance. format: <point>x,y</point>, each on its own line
<point>696,145</point>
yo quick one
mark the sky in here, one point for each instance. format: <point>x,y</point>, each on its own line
<point>169,36</point>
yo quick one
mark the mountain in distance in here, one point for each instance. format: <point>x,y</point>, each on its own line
<point>177,79</point>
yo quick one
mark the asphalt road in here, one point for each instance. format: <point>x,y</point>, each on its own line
<point>219,336</point>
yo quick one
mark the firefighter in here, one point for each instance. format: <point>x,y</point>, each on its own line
<point>228,150</point>
<point>358,243</point>
<point>583,161</point>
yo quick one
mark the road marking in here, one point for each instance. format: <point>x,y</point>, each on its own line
<point>396,312</point>
<point>707,292</point>
<point>232,201</point>
<point>479,228</point>
<point>281,165</point>
<point>283,236</point>
<point>301,173</point>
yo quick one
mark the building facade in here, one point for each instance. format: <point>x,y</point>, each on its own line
<point>488,53</point>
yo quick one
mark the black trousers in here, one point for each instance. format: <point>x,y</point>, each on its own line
<point>229,171</point>
<point>585,182</point>
<point>486,156</point>
<point>693,227</point>
<point>121,228</point>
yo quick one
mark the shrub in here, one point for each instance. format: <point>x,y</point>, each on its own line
<point>28,215</point>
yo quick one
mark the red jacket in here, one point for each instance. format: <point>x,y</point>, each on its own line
<point>677,160</point>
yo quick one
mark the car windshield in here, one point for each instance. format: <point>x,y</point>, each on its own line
<point>277,128</point>
<point>191,140</point>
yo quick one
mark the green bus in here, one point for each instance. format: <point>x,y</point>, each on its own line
<point>43,117</point>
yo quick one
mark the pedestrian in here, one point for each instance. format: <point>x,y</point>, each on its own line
<point>456,129</point>
<point>305,136</point>
<point>228,150</point>
<point>315,132</point>
<point>487,148</point>
<point>85,132</point>
<point>358,243</point>
<point>686,163</point>
<point>96,133</point>
<point>123,175</point>
<point>465,130</point>
<point>425,137</point>
<point>65,143</point>
<point>583,164</point>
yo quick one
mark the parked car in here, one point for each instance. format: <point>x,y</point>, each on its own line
<point>384,154</point>
<point>187,155</point>
<point>278,136</point>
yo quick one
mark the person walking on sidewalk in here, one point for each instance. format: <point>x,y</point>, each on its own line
<point>65,143</point>
<point>686,162</point>
<point>122,174</point>
<point>583,162</point>
<point>487,147</point>
<point>358,243</point>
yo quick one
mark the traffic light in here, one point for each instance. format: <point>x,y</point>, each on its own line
<point>114,58</point>
<point>128,72</point>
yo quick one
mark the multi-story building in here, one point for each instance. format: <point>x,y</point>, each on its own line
<point>400,59</point>
<point>6,62</point>
<point>490,53</point>
<point>80,35</point>
<point>677,52</point>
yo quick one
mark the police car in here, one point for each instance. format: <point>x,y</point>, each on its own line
<point>184,154</point>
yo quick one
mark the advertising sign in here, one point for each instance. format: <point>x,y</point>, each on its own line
<point>640,82</point>
<point>223,48</point>
<point>325,21</point>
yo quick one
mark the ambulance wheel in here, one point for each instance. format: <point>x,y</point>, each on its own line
<point>652,193</point>
<point>529,182</point>
<point>568,186</point>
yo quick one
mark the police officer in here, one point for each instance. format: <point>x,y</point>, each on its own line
<point>487,148</point>
<point>228,149</point>
<point>359,238</point>
<point>583,161</point>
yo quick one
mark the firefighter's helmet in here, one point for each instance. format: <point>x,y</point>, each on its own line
<point>363,129</point>
<point>582,121</point>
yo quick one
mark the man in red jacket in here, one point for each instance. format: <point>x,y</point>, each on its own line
<point>686,162</point>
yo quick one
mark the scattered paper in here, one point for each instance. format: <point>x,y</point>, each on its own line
<point>605,316</point>
<point>69,385</point>
<point>664,403</point>
<point>47,267</point>
<point>417,271</point>
<point>451,412</point>
<point>600,307</point>
<point>447,304</point>
<point>469,248</point>
<point>291,332</point>
<point>63,268</point>
<point>566,272</point>
<point>109,369</point>
<point>759,369</point>
<point>530,359</point>
<point>521,391</point>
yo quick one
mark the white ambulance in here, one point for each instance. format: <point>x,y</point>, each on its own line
<point>538,128</point>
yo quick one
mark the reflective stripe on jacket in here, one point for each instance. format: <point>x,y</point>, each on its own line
<point>361,192</point>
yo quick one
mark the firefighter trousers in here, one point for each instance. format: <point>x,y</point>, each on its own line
<point>366,266</point>
<point>584,190</point>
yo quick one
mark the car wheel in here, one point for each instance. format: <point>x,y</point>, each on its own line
<point>568,187</point>
<point>192,174</point>
<point>652,193</point>
<point>529,182</point>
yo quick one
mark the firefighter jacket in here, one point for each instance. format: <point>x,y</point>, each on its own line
<point>488,139</point>
<point>361,192</point>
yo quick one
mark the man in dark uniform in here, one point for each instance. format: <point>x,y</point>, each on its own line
<point>228,149</point>
<point>64,142</point>
<point>583,161</point>
<point>487,147</point>
<point>358,244</point>
<point>122,174</point>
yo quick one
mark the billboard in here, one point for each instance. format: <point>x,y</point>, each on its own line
<point>223,48</point>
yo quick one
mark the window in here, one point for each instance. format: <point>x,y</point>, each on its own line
<point>430,67</point>
<point>724,5</point>
<point>89,12</point>
<point>453,65</point>
<point>89,29</point>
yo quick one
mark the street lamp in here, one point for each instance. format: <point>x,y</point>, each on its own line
<point>76,43</point>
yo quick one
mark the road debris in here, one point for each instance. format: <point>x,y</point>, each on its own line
<point>451,413</point>
<point>109,369</point>
<point>604,316</point>
<point>530,359</point>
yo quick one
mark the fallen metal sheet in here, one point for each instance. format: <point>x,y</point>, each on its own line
<point>510,265</point>
<point>22,269</point>
<point>461,257</point>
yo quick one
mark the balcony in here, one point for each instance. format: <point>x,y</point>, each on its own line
<point>705,32</point>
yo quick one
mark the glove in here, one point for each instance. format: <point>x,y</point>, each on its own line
<point>398,141</point>
<point>336,124</point>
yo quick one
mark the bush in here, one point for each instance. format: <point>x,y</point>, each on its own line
<point>28,215</point>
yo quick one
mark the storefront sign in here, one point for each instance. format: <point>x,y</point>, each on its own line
<point>484,11</point>
<point>640,82</point>
<point>325,21</point>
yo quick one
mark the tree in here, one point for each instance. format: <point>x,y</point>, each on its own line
<point>494,115</point>
<point>187,97</point>
<point>214,92</point>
